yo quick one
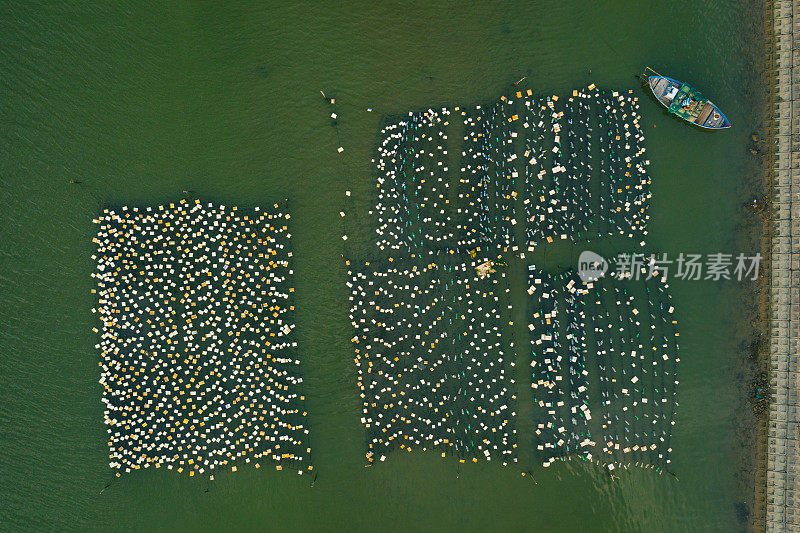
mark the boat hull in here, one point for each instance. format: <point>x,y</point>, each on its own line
<point>686,102</point>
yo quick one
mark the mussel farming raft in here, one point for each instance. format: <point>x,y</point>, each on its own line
<point>581,158</point>
<point>457,189</point>
<point>430,353</point>
<point>199,360</point>
<point>604,358</point>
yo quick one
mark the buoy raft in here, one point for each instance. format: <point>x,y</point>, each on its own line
<point>440,232</point>
<point>430,352</point>
<point>581,158</point>
<point>199,363</point>
<point>604,383</point>
<point>585,167</point>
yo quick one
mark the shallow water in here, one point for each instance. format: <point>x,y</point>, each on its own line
<point>140,104</point>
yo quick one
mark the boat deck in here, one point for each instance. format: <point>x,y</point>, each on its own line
<point>710,117</point>
<point>662,88</point>
<point>704,113</point>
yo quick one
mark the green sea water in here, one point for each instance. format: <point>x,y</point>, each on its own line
<point>140,102</point>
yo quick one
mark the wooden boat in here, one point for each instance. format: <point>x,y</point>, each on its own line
<point>685,101</point>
